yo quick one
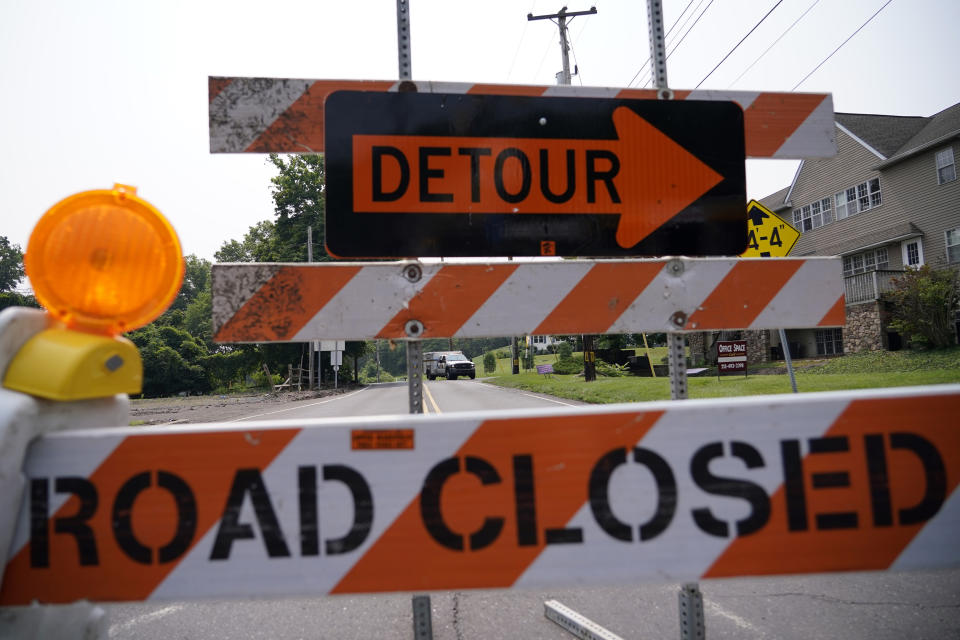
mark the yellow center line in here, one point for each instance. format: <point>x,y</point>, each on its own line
<point>429,396</point>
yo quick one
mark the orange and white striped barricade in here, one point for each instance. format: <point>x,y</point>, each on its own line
<point>282,115</point>
<point>257,302</point>
<point>788,484</point>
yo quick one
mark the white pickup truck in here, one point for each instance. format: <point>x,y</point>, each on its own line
<point>448,364</point>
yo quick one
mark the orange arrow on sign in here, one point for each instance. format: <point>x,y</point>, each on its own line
<point>643,176</point>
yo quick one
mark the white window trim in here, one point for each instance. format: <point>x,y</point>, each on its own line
<point>946,243</point>
<point>903,252</point>
<point>938,166</point>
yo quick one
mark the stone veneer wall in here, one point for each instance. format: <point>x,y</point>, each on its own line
<point>697,343</point>
<point>864,328</point>
<point>758,346</point>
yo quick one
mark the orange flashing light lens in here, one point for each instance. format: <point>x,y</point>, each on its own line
<point>104,261</point>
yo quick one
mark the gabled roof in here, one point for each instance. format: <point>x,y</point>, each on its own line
<point>776,200</point>
<point>886,134</point>
<point>895,138</point>
<point>940,127</point>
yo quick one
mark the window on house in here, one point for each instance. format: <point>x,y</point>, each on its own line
<point>829,341</point>
<point>865,195</point>
<point>946,169</point>
<point>874,186</point>
<point>825,206</point>
<point>841,201</point>
<point>883,259</point>
<point>912,253</point>
<point>866,261</point>
<point>953,245</point>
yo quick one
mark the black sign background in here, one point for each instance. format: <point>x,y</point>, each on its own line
<point>713,225</point>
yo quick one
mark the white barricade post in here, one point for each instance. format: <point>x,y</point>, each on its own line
<point>847,481</point>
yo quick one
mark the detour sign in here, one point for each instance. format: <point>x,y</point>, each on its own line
<point>455,175</point>
<point>843,481</point>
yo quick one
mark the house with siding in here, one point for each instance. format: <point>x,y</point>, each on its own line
<point>888,200</point>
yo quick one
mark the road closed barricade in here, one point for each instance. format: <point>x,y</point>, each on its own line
<point>844,481</point>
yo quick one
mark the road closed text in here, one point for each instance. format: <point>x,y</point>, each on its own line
<point>506,501</point>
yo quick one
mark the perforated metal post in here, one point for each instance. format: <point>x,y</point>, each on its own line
<point>677,358</point>
<point>658,50</point>
<point>403,40</point>
<point>422,618</point>
<point>415,375</point>
<point>691,612</point>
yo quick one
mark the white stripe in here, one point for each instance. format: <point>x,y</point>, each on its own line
<point>147,617</point>
<point>300,406</point>
<point>682,552</point>
<point>528,296</point>
<point>726,359</point>
<point>805,298</point>
<point>574,91</point>
<point>667,293</point>
<point>367,302</point>
<point>815,138</point>
<point>247,107</point>
<point>395,477</point>
<point>937,544</point>
<point>566,404</point>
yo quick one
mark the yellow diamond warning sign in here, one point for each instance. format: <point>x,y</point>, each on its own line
<point>768,235</point>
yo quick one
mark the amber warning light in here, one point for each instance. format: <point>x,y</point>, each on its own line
<point>101,262</point>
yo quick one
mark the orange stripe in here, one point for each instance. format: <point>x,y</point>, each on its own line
<point>205,461</point>
<point>837,316</point>
<point>282,305</point>
<point>299,129</point>
<point>774,117</point>
<point>507,89</point>
<point>601,297</point>
<point>563,449</point>
<point>216,85</point>
<point>448,300</point>
<point>775,550</point>
<point>743,294</point>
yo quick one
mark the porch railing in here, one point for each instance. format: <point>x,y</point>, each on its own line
<point>864,287</point>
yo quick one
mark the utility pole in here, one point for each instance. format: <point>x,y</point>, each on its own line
<point>589,352</point>
<point>310,344</point>
<point>562,16</point>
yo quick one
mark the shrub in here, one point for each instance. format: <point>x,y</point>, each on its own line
<point>489,362</point>
<point>922,305</point>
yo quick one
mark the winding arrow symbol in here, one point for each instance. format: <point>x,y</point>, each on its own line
<point>643,176</point>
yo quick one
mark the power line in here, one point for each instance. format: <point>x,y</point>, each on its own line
<point>772,9</point>
<point>643,66</point>
<point>841,45</point>
<point>519,44</point>
<point>815,2</point>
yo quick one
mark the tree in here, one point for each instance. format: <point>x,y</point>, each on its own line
<point>923,304</point>
<point>258,245</point>
<point>11,264</point>
<point>299,202</point>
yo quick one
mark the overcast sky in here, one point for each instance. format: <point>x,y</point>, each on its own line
<point>96,92</point>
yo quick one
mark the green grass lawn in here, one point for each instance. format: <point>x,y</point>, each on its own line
<point>856,371</point>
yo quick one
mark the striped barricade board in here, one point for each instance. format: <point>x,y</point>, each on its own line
<point>281,115</point>
<point>359,301</point>
<point>839,481</point>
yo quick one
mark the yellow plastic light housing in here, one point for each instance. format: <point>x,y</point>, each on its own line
<point>104,261</point>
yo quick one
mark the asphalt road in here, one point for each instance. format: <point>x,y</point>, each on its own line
<point>877,606</point>
<point>440,396</point>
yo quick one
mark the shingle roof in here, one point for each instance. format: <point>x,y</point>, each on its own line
<point>941,125</point>
<point>886,134</point>
<point>776,200</point>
